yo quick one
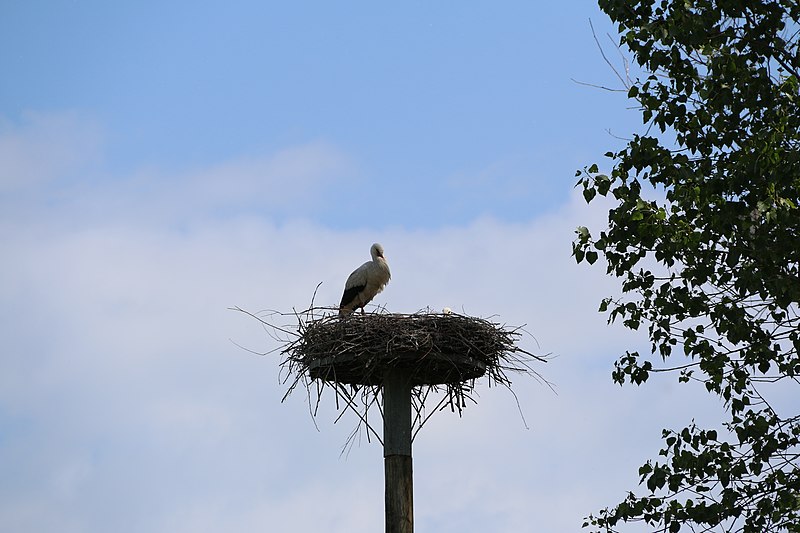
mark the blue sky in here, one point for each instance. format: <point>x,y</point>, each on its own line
<point>452,110</point>
<point>161,162</point>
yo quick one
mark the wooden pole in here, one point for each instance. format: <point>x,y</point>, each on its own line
<point>397,452</point>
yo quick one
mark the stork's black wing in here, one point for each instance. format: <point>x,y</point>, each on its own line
<point>350,294</point>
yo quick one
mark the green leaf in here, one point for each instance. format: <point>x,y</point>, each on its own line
<point>578,253</point>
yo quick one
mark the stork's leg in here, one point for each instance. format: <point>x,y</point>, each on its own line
<point>362,311</point>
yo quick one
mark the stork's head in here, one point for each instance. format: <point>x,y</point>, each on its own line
<point>376,250</point>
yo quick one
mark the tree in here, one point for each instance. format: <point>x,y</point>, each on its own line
<point>704,235</point>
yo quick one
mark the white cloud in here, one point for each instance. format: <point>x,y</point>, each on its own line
<point>53,163</point>
<point>125,407</point>
<point>292,181</point>
<point>45,147</point>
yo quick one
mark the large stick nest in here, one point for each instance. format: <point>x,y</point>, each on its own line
<point>435,349</point>
<point>441,353</point>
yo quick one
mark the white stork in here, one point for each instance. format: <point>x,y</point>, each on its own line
<point>365,282</point>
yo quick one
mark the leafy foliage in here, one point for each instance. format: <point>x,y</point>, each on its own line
<point>705,238</point>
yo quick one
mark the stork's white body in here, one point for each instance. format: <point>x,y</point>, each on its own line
<point>365,282</point>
